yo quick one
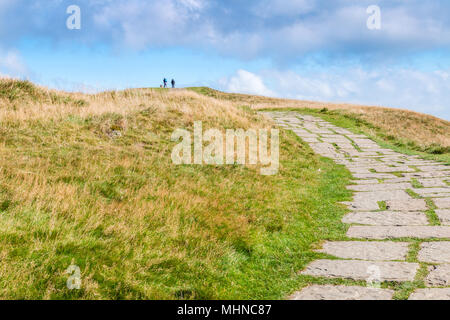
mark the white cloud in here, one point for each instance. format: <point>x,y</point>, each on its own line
<point>11,64</point>
<point>268,8</point>
<point>193,4</point>
<point>245,82</point>
<point>422,91</point>
<point>276,29</point>
<point>444,75</point>
<point>142,24</point>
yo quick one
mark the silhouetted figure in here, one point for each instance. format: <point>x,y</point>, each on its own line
<point>165,83</point>
<point>173,83</point>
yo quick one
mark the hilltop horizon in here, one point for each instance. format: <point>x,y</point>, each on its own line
<point>324,103</point>
<point>393,54</point>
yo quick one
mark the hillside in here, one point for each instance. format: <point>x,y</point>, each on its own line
<point>88,180</point>
<point>403,130</point>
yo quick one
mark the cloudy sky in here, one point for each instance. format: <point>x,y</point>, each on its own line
<point>306,49</point>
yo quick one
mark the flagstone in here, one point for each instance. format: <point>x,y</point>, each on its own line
<point>433,168</point>
<point>370,181</point>
<point>387,218</point>
<point>373,176</point>
<point>381,187</point>
<point>442,203</point>
<point>395,232</point>
<point>330,292</point>
<point>407,205</point>
<point>382,195</point>
<point>427,183</point>
<point>435,252</point>
<point>384,176</point>
<point>362,270</point>
<point>444,216</point>
<point>439,276</point>
<point>426,192</point>
<point>366,250</point>
<point>431,294</point>
<point>369,205</point>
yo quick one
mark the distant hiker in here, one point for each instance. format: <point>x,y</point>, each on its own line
<point>173,83</point>
<point>165,83</point>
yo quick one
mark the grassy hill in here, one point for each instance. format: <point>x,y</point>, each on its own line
<point>402,130</point>
<point>88,180</point>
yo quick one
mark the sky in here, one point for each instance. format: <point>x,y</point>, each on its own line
<point>392,53</point>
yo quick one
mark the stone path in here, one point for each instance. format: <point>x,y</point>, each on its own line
<point>399,219</point>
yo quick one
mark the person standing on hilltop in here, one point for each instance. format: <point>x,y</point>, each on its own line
<point>165,83</point>
<point>173,83</point>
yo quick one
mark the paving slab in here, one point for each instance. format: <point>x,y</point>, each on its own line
<point>380,187</point>
<point>362,270</point>
<point>383,232</point>
<point>330,292</point>
<point>373,176</point>
<point>435,174</point>
<point>444,216</point>
<point>427,183</point>
<point>359,170</point>
<point>365,250</point>
<point>439,276</point>
<point>442,203</point>
<point>433,168</point>
<point>435,252</point>
<point>396,195</point>
<point>369,205</point>
<point>431,294</point>
<point>404,216</point>
<point>393,169</point>
<point>427,192</point>
<point>365,182</point>
<point>407,205</point>
<point>397,180</point>
<point>436,195</point>
<point>387,218</point>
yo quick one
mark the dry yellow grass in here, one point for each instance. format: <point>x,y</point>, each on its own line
<point>420,128</point>
<point>413,126</point>
<point>138,226</point>
<point>39,103</point>
<point>115,205</point>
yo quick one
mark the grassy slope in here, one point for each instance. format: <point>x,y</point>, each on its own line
<point>402,130</point>
<point>138,226</point>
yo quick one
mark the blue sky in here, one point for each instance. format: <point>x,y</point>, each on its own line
<point>305,49</point>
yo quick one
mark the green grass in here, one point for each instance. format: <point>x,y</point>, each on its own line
<point>141,228</point>
<point>433,218</point>
<point>382,205</point>
<point>360,126</point>
<point>416,184</point>
<point>317,219</point>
